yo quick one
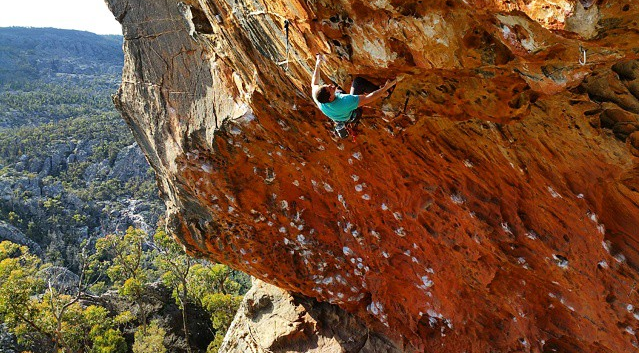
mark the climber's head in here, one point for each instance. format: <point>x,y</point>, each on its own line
<point>326,93</point>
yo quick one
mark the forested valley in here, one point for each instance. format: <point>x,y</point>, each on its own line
<point>85,264</point>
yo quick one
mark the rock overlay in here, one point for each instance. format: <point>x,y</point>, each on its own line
<point>489,204</point>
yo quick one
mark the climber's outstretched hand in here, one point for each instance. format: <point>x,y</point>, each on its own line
<point>389,84</point>
<point>315,81</point>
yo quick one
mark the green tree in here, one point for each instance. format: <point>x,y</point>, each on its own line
<point>123,258</point>
<point>151,340</point>
<point>18,283</point>
<point>41,315</point>
<point>217,291</point>
<point>222,308</point>
<point>14,219</point>
<point>175,266</point>
<point>105,338</point>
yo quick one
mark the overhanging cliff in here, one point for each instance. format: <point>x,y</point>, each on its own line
<point>490,203</point>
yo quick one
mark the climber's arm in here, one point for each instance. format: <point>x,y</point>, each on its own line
<point>373,96</point>
<point>316,74</point>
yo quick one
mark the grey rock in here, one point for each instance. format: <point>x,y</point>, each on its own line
<point>34,185</point>
<point>8,341</point>
<point>82,156</point>
<point>14,235</point>
<point>97,171</point>
<point>90,172</point>
<point>57,160</point>
<point>63,148</point>
<point>74,201</point>
<point>56,163</point>
<point>12,187</point>
<point>46,167</point>
<point>53,190</point>
<point>20,166</point>
<point>273,320</point>
<point>35,165</point>
<point>130,163</point>
<point>61,278</point>
<point>134,214</point>
<point>6,189</point>
<point>84,149</point>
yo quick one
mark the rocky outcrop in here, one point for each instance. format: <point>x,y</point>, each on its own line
<point>129,164</point>
<point>272,320</point>
<point>14,235</point>
<point>489,204</point>
<point>26,191</point>
<point>8,341</point>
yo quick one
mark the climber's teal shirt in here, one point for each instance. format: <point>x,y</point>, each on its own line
<point>341,107</point>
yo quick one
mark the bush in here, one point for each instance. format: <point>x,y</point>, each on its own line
<point>151,341</point>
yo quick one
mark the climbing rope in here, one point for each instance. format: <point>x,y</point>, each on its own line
<point>287,25</point>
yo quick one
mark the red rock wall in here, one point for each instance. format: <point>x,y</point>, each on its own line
<point>489,204</point>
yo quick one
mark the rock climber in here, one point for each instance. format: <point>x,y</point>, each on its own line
<point>340,107</point>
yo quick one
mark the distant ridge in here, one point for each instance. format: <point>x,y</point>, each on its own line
<point>49,74</point>
<point>35,53</point>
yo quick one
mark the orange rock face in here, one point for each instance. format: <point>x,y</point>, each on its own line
<point>489,204</point>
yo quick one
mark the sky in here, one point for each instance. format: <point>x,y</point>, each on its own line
<point>86,15</point>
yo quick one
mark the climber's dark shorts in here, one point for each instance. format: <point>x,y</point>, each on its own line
<point>363,86</point>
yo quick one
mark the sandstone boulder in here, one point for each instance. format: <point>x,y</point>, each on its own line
<point>272,320</point>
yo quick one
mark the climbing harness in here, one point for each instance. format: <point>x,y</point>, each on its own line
<point>343,129</point>
<point>582,51</point>
<point>340,130</point>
